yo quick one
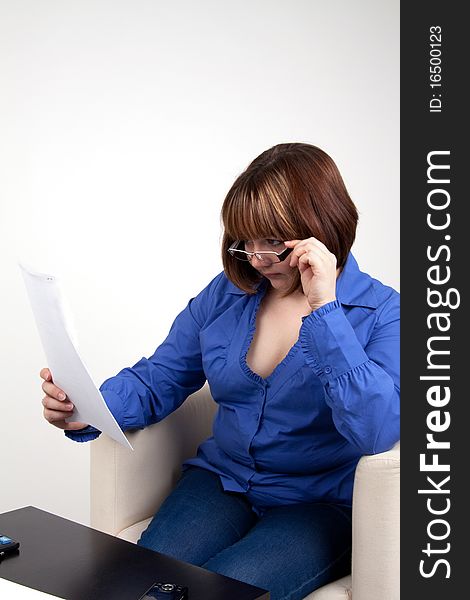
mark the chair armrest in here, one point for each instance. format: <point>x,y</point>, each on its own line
<point>126,486</point>
<point>376,527</point>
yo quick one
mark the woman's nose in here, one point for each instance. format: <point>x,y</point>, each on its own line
<point>262,261</point>
<point>256,262</point>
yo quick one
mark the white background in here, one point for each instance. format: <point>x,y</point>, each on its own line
<point>122,126</point>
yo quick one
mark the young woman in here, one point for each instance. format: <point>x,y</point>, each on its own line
<point>301,352</point>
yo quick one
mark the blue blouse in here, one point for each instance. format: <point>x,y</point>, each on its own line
<point>297,435</point>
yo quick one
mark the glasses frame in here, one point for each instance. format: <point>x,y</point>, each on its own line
<point>259,255</point>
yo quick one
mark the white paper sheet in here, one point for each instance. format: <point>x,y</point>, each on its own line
<point>67,368</point>
<point>10,589</point>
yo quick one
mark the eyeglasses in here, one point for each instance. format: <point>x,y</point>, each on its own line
<point>237,250</point>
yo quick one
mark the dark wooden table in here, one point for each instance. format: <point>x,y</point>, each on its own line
<point>75,562</point>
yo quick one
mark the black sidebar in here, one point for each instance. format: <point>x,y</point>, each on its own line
<point>435,236</point>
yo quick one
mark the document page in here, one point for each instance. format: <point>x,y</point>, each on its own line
<point>68,369</point>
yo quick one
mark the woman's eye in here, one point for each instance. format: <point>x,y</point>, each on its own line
<point>274,242</point>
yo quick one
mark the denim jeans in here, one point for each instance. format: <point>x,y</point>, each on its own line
<point>290,550</point>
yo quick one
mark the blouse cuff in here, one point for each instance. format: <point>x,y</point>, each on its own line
<point>83,435</point>
<point>329,342</point>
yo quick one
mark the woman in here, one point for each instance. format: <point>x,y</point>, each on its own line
<point>301,352</point>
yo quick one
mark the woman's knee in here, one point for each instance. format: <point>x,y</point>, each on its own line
<point>291,551</point>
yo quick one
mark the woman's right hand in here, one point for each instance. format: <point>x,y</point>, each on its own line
<point>57,407</point>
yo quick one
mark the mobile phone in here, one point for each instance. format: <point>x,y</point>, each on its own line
<point>166,591</point>
<point>7,545</point>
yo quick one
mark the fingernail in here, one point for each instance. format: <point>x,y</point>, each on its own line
<point>61,396</point>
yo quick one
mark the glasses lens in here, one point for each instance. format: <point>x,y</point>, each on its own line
<point>237,251</point>
<point>271,249</point>
<point>268,258</point>
<point>239,255</point>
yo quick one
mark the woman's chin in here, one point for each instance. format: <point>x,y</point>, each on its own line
<point>279,281</point>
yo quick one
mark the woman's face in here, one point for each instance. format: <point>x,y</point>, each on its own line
<point>279,274</point>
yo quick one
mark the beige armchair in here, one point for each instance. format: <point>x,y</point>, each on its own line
<point>127,488</point>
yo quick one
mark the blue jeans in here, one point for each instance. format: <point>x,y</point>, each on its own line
<point>290,550</point>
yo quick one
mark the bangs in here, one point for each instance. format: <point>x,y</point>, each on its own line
<point>257,210</point>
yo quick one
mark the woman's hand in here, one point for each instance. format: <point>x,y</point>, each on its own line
<point>317,266</point>
<point>57,407</point>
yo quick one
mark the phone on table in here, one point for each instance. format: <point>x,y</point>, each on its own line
<point>7,546</point>
<point>166,591</point>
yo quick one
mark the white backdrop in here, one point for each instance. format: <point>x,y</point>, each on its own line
<point>122,126</point>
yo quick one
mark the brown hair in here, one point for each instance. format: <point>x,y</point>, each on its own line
<point>291,191</point>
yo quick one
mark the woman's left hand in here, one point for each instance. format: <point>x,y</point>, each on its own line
<point>317,266</point>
